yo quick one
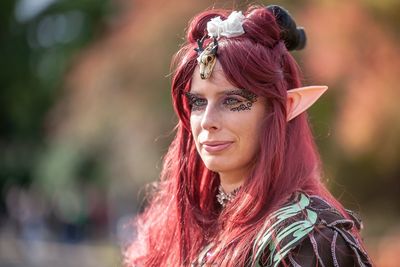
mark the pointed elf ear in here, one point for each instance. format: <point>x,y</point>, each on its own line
<point>300,99</point>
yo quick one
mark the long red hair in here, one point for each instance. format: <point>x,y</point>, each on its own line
<point>183,216</point>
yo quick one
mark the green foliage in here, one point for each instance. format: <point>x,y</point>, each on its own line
<point>36,49</point>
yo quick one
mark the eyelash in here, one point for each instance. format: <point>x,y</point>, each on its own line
<point>193,102</point>
<point>237,101</point>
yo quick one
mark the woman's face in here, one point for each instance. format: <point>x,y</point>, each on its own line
<point>225,122</point>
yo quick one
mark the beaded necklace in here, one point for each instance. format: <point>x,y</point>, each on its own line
<point>223,198</point>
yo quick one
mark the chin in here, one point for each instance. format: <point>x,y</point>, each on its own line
<point>216,165</point>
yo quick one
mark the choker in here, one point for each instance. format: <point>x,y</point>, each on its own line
<point>224,198</point>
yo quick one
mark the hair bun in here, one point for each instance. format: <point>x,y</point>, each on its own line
<point>293,36</point>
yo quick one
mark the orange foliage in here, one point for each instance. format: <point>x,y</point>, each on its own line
<point>354,54</point>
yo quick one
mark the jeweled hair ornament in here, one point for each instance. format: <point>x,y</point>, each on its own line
<point>216,27</point>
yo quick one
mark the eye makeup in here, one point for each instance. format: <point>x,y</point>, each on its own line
<point>243,101</point>
<point>195,102</point>
<point>249,96</point>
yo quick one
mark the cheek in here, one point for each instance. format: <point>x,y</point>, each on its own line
<point>250,136</point>
<point>195,128</point>
<point>250,132</point>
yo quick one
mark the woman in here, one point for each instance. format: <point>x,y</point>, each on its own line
<point>241,182</point>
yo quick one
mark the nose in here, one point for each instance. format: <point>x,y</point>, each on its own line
<point>211,119</point>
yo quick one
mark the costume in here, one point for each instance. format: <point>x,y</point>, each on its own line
<point>307,231</point>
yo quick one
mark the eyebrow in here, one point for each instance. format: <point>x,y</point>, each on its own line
<point>233,91</point>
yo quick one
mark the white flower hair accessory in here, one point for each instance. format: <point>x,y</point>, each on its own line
<point>231,27</point>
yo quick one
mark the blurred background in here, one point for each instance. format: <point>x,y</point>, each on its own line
<point>86,116</point>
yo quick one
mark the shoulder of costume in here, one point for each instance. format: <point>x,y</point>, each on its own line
<point>302,218</point>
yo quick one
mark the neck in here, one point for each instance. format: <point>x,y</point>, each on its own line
<point>232,180</point>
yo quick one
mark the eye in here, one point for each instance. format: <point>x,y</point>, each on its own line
<point>209,58</point>
<point>195,102</point>
<point>229,101</point>
<point>198,102</point>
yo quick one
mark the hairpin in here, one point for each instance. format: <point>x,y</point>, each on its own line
<point>216,27</point>
<point>207,57</point>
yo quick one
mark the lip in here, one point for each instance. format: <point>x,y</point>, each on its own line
<point>216,146</point>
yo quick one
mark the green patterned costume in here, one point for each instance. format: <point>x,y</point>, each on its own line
<point>307,231</point>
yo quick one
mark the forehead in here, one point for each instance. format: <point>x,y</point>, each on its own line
<point>216,82</point>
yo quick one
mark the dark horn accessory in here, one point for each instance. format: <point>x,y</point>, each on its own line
<point>200,47</point>
<point>293,36</point>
